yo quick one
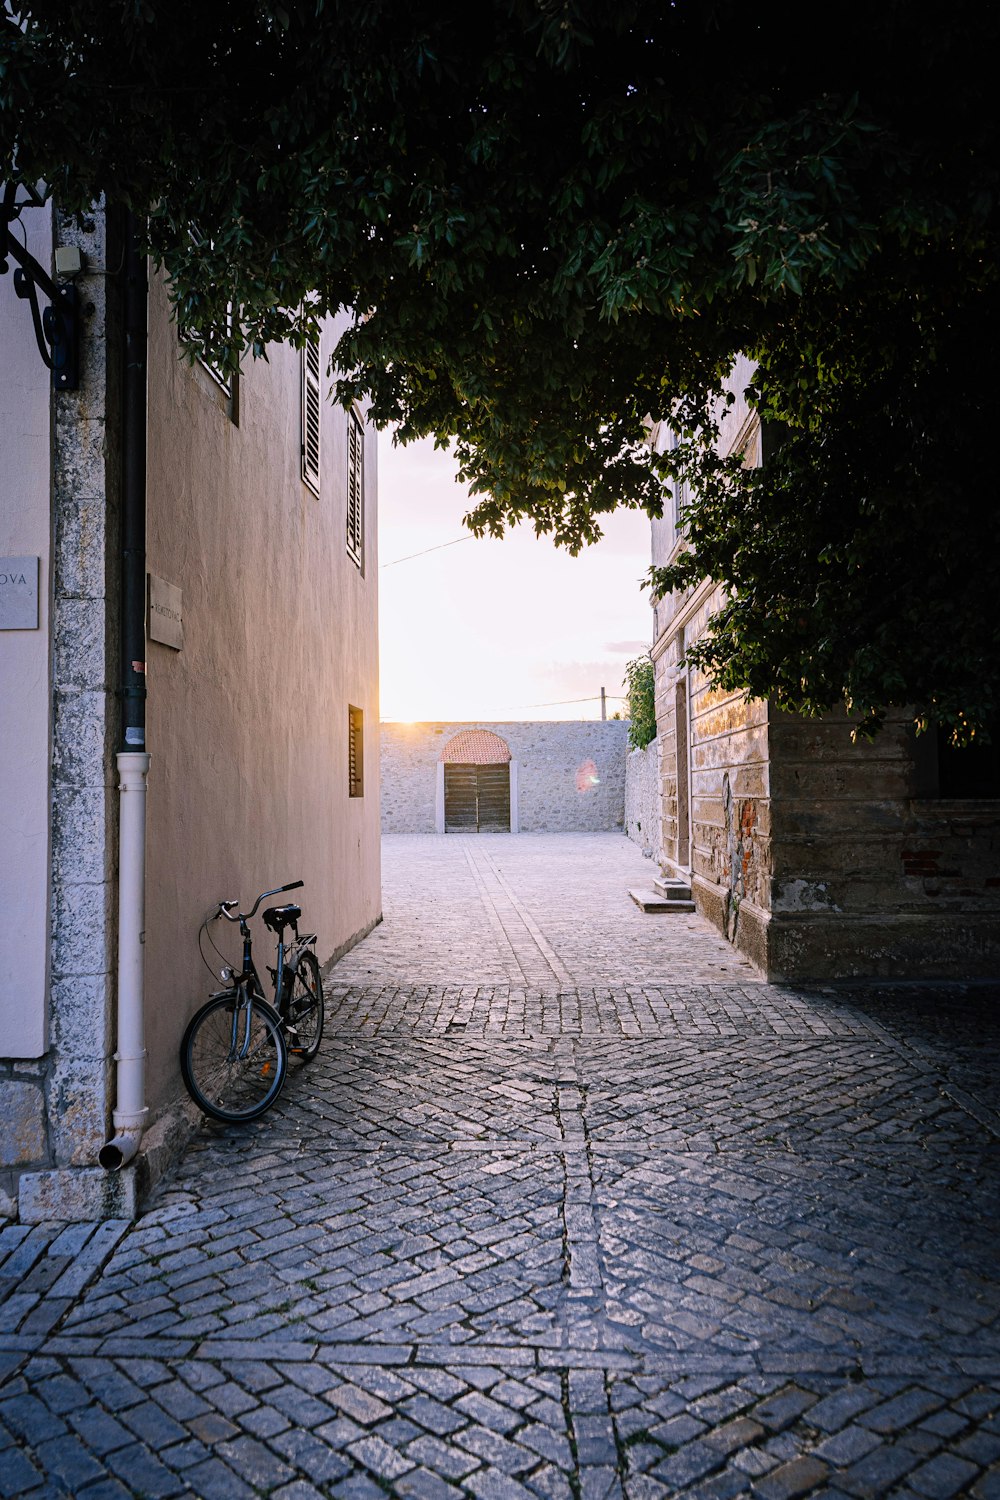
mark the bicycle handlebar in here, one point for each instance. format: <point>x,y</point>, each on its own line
<point>244,916</point>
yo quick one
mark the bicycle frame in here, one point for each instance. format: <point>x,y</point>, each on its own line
<point>248,983</point>
<point>234,1054</point>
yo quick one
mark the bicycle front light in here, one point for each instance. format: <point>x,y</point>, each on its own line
<point>227,975</point>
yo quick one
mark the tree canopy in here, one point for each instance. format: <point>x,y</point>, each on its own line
<point>553,220</point>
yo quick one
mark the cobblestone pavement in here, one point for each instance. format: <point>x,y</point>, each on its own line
<point>569,1205</point>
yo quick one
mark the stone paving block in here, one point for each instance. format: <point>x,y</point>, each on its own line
<point>847,1445</point>
<point>943,1477</point>
<point>18,1475</point>
<point>254,1462</point>
<point>299,1407</point>
<point>384,1461</point>
<point>691,1462</point>
<point>767,1188</point>
<point>600,1482</point>
<point>488,1413</point>
<point>791,1480</point>
<point>264,1422</point>
<point>357,1486</point>
<point>833,1411</point>
<point>509,1458</point>
<point>434,1416</point>
<point>339,1433</point>
<point>876,1473</point>
<point>358,1404</point>
<point>212,1428</point>
<point>153,1426</point>
<point>425,1485</point>
<point>443,1458</point>
<point>27,1416</point>
<point>902,1410</point>
<point>298,1490</point>
<point>71,1463</point>
<point>215,1481</point>
<point>490,1485</point>
<point>780,1410</point>
<point>308,1453</point>
<point>142,1473</point>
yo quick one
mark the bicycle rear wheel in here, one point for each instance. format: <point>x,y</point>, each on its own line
<point>304,1012</point>
<point>229,1074</point>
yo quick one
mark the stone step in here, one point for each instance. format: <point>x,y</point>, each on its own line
<point>652,901</point>
<point>671,889</point>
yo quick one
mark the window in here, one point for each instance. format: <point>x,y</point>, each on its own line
<point>310,414</point>
<point>355,489</point>
<point>679,491</point>
<point>969,771</point>
<point>227,385</point>
<point>355,752</point>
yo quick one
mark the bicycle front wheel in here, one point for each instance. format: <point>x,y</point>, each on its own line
<point>304,1014</point>
<point>234,1072</point>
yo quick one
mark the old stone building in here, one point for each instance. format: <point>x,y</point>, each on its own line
<point>259,658</point>
<point>818,857</point>
<point>528,776</point>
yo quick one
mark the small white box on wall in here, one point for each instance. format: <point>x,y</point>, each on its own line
<point>19,593</point>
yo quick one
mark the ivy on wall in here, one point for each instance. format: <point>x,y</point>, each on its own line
<point>641,684</point>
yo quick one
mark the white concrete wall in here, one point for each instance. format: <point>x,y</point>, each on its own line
<point>247,725</point>
<point>25,667</point>
<point>570,774</point>
<point>643,812</point>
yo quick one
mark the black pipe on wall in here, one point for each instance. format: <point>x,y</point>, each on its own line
<point>133,581</point>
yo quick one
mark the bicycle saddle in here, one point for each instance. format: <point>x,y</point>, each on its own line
<point>280,917</point>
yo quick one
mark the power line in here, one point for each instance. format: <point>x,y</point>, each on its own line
<point>565,702</point>
<point>440,546</point>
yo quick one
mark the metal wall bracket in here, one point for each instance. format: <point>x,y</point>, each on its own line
<point>57,327</point>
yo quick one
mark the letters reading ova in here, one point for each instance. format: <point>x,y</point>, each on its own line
<point>12,578</point>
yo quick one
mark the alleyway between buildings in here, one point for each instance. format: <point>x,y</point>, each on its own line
<point>570,1205</point>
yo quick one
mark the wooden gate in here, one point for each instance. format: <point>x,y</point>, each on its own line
<point>477,798</point>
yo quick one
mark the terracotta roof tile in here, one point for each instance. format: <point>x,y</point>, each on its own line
<point>476,747</point>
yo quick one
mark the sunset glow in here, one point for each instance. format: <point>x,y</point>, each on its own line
<point>511,629</point>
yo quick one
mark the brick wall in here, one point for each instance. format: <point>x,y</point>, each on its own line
<point>570,773</point>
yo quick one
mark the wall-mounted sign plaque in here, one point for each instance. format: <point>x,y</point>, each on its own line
<point>166,623</point>
<point>18,593</point>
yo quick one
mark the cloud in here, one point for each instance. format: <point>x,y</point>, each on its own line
<point>625,648</point>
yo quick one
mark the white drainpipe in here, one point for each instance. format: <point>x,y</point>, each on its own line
<point>130,1109</point>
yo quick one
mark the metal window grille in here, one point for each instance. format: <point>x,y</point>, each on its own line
<point>355,489</point>
<point>311,414</point>
<point>355,752</point>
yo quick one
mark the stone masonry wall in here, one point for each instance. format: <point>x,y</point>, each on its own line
<point>55,1174</point>
<point>571,774</point>
<point>643,799</point>
<point>874,873</point>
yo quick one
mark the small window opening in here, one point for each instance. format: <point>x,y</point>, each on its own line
<point>355,751</point>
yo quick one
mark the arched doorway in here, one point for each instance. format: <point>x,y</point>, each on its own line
<point>477,788</point>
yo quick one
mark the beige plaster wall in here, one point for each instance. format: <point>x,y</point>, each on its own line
<point>247,725</point>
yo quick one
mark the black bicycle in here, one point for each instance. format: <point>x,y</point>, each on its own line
<point>235,1051</point>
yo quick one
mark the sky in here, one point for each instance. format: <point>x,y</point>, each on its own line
<point>494,630</point>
